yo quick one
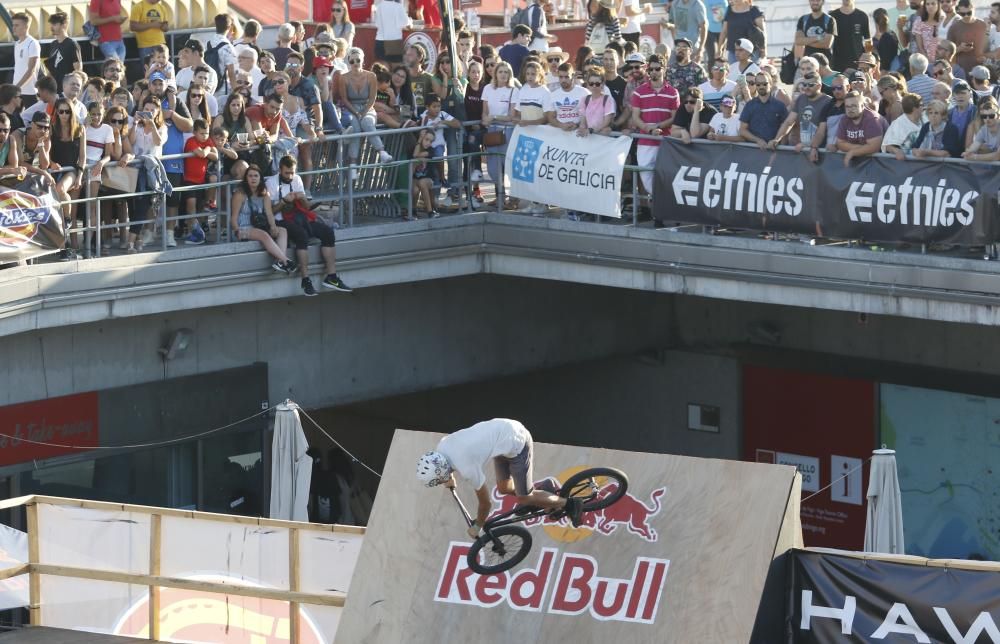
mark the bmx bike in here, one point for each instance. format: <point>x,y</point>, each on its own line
<point>503,544</point>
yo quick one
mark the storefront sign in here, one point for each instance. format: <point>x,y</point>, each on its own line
<point>878,199</point>
<point>551,166</point>
<point>836,598</point>
<point>65,420</point>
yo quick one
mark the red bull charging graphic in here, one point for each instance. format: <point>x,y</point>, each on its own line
<point>568,583</point>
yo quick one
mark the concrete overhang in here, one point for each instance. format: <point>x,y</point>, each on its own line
<point>750,270</point>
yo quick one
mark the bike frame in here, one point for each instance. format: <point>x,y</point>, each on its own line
<point>500,520</point>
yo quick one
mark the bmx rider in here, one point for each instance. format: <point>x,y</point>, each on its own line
<point>509,444</point>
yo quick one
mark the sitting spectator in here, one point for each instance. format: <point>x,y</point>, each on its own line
<point>941,92</point>
<point>718,85</point>
<point>598,110</point>
<point>34,146</point>
<point>423,175</point>
<point>762,116</point>
<point>306,122</point>
<point>979,79</point>
<point>233,118</point>
<point>902,133</point>
<point>203,151</point>
<point>892,91</point>
<point>684,72</point>
<point>252,219</point>
<point>807,113</point>
<point>693,119</point>
<point>725,125</point>
<point>288,198</point>
<point>963,112</point>
<point>359,88</point>
<point>860,131</point>
<point>806,65</point>
<point>937,137</point>
<point>10,104</point>
<point>860,84</point>
<point>985,144</point>
<point>68,155</point>
<point>920,83</point>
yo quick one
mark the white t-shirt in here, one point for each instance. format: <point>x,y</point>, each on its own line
<point>499,99</point>
<point>144,142</point>
<point>567,105</point>
<point>442,116</point>
<point>23,51</point>
<point>533,102</point>
<point>994,37</point>
<point>634,24</point>
<point>470,449</point>
<point>97,138</point>
<point>902,133</point>
<point>186,76</point>
<point>276,190</point>
<point>390,19</point>
<point>727,126</point>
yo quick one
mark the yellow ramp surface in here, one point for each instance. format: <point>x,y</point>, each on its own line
<point>681,558</point>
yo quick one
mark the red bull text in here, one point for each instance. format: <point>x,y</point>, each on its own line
<point>571,588</point>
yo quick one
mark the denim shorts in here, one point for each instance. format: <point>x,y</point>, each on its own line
<point>517,468</point>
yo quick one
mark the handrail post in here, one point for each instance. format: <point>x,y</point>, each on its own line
<point>162,216</point>
<point>34,578</point>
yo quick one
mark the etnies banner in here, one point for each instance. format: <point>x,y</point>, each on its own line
<point>878,199</point>
<point>30,221</point>
<point>839,598</point>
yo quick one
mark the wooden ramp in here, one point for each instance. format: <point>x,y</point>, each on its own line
<point>681,558</point>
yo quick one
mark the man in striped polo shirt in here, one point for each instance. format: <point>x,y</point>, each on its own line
<point>654,104</point>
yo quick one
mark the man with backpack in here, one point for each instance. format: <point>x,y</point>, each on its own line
<point>533,16</point>
<point>220,55</point>
<point>815,32</point>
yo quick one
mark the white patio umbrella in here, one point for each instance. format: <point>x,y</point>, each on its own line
<point>884,522</point>
<point>291,468</point>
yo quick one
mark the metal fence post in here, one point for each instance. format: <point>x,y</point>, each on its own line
<point>162,216</point>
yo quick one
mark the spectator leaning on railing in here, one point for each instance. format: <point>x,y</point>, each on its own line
<point>937,138</point>
<point>654,105</point>
<point>725,126</point>
<point>693,118</point>
<point>902,133</point>
<point>986,142</point>
<point>859,132</point>
<point>806,116</point>
<point>762,116</point>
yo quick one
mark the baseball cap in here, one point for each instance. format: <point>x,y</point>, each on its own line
<point>323,38</point>
<point>322,61</point>
<point>980,72</point>
<point>857,77</point>
<point>41,117</point>
<point>745,45</point>
<point>195,46</point>
<point>960,86</point>
<point>155,76</point>
<point>635,58</point>
<point>678,41</point>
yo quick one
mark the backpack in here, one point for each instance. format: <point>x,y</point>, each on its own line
<point>214,60</point>
<point>604,103</point>
<point>523,17</point>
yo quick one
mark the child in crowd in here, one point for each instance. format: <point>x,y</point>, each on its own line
<point>436,120</point>
<point>159,61</point>
<point>423,174</point>
<point>218,168</point>
<point>203,151</point>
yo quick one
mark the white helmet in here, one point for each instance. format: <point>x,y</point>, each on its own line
<point>433,468</point>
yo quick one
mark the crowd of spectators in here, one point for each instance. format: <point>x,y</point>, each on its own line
<point>916,80</point>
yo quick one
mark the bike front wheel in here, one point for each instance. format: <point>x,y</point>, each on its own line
<point>501,549</point>
<point>597,487</point>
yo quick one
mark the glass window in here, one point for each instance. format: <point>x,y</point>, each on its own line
<point>232,474</point>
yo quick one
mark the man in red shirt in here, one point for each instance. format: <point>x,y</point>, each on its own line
<point>654,104</point>
<point>202,149</point>
<point>267,117</point>
<point>107,16</point>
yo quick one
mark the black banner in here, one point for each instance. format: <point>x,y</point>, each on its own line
<point>835,598</point>
<point>876,198</point>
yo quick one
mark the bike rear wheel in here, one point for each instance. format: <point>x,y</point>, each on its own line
<point>584,485</point>
<point>502,549</point>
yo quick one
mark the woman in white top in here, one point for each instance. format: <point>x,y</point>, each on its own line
<point>498,99</point>
<point>533,100</point>
<point>390,19</point>
<point>147,137</point>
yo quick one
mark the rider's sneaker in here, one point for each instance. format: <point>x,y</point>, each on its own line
<point>574,510</point>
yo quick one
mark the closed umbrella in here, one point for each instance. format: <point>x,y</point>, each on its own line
<point>291,468</point>
<point>884,522</point>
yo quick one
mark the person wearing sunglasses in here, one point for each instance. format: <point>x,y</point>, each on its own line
<point>693,119</point>
<point>683,72</point>
<point>806,116</point>
<point>860,132</point>
<point>67,157</point>
<point>359,89</point>
<point>340,22</point>
<point>891,91</point>
<point>117,210</point>
<point>718,85</point>
<point>986,142</point>
<point>979,79</point>
<point>553,58</point>
<point>762,116</point>
<point>654,105</point>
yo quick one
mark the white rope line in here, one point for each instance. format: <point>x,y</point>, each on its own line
<point>353,457</point>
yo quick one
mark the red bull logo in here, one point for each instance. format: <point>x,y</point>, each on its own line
<point>630,512</point>
<point>572,587</point>
<point>21,215</point>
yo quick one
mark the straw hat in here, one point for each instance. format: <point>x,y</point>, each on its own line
<point>564,55</point>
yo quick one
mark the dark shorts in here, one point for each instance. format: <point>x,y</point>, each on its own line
<point>517,468</point>
<point>380,53</point>
<point>199,195</point>
<point>176,179</point>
